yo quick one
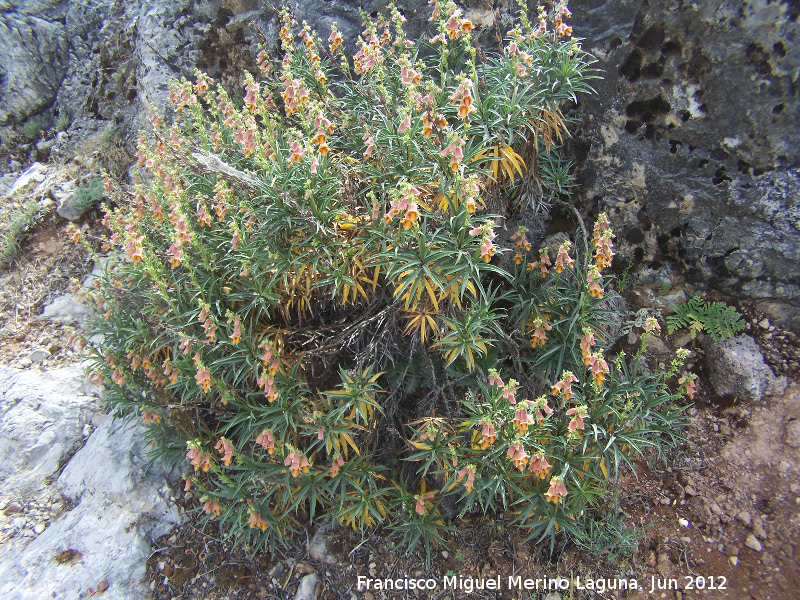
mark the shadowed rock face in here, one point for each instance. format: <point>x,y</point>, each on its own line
<point>688,144</point>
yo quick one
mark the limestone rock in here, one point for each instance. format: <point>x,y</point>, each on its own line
<point>42,416</point>
<point>33,58</point>
<point>753,543</point>
<point>307,590</point>
<point>65,308</point>
<point>33,175</point>
<point>687,170</point>
<point>120,509</point>
<point>737,368</point>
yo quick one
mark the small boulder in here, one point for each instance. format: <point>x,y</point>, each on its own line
<point>307,590</point>
<point>66,308</point>
<point>33,175</point>
<point>38,355</point>
<point>738,368</point>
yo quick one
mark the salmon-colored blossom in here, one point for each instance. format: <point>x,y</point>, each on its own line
<point>225,448</point>
<point>267,440</point>
<point>557,490</point>
<point>539,466</point>
<point>564,385</point>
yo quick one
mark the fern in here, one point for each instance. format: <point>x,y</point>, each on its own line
<point>717,319</point>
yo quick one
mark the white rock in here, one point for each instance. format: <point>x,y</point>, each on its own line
<point>19,522</point>
<point>66,307</point>
<point>119,511</point>
<point>41,417</point>
<point>38,355</point>
<point>317,549</point>
<point>40,527</point>
<point>753,543</point>
<point>307,588</point>
<point>32,175</point>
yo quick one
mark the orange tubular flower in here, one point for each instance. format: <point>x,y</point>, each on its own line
<point>595,281</point>
<point>487,435</point>
<point>469,471</point>
<point>539,465</point>
<point>578,414</point>
<point>522,418</point>
<point>411,216</point>
<point>494,378</point>
<point>516,452</point>
<point>236,336</point>
<point>539,334</point>
<point>203,379</point>
<point>557,490</point>
<point>563,257</point>
<point>564,386</point>
<point>256,520</point>
<point>689,380</point>
<point>225,448</point>
<point>267,440</point>
<point>487,249</point>
<point>599,368</point>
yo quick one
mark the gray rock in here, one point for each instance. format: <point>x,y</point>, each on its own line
<point>307,590</point>
<point>318,550</point>
<point>38,355</point>
<point>70,209</point>
<point>737,368</point>
<point>669,301</point>
<point>753,543</point>
<point>744,518</point>
<point>41,419</point>
<point>699,174</point>
<point>119,510</point>
<point>759,530</point>
<point>792,436</point>
<point>33,55</point>
<point>65,308</point>
<point>33,175</point>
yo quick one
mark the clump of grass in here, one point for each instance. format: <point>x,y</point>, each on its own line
<point>32,128</point>
<point>90,194</point>
<point>64,120</point>
<point>21,223</point>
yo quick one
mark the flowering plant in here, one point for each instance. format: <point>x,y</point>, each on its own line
<point>273,255</point>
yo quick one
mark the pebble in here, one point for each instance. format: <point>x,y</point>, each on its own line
<point>307,588</point>
<point>764,323</point>
<point>25,362</point>
<point>753,543</point>
<point>759,530</point>
<point>19,522</point>
<point>38,355</point>
<point>744,518</point>
<point>40,527</point>
<point>734,560</point>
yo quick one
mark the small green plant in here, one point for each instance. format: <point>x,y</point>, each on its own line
<point>717,319</point>
<point>32,128</point>
<point>90,194</point>
<point>301,292</point>
<point>608,536</point>
<point>626,279</point>
<point>64,120</point>
<point>21,223</point>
